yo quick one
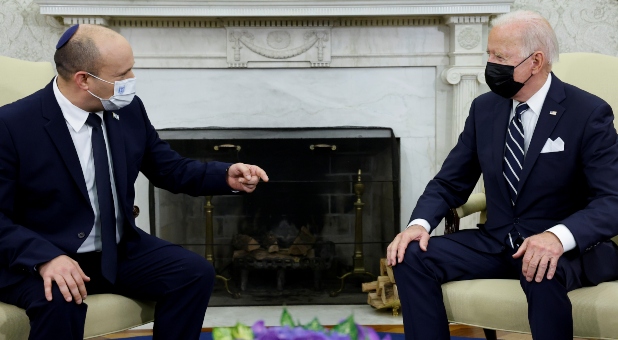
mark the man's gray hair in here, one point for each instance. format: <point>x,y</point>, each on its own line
<point>538,34</point>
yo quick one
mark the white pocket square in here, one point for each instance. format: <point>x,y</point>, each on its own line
<point>553,145</point>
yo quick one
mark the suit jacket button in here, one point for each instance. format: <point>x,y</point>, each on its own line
<point>81,235</point>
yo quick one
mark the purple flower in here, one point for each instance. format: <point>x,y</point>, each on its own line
<point>347,329</point>
<point>258,328</point>
<point>367,333</point>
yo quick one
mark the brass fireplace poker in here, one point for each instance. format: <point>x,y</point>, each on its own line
<point>358,258</point>
<point>209,245</point>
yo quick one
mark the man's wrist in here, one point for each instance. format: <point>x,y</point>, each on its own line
<point>227,176</point>
<point>422,222</point>
<point>564,235</point>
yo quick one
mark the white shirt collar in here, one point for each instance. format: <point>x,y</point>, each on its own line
<point>75,116</point>
<point>535,103</point>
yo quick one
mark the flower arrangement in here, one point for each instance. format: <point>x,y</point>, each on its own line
<point>347,329</point>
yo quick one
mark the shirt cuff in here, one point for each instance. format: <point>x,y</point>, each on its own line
<point>421,222</point>
<point>564,235</point>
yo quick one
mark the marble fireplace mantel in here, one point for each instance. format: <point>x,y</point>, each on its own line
<point>260,8</point>
<point>411,65</point>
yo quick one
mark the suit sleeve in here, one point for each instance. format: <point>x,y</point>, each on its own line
<point>598,221</point>
<point>458,176</point>
<point>168,170</point>
<point>20,248</point>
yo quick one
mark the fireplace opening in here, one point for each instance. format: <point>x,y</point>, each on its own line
<point>291,240</point>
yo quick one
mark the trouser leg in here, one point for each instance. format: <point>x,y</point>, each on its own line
<point>549,308</point>
<point>420,276</point>
<point>181,283</point>
<point>56,319</point>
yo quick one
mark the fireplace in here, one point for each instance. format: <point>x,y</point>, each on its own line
<point>319,178</point>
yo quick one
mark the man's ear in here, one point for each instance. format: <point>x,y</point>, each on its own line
<point>538,61</point>
<point>80,80</point>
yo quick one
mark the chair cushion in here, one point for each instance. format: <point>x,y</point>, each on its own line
<point>21,78</point>
<point>107,313</point>
<point>502,305</point>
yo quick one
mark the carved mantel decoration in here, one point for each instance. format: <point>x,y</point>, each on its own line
<point>291,44</point>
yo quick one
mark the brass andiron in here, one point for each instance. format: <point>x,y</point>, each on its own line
<point>209,245</point>
<point>359,261</point>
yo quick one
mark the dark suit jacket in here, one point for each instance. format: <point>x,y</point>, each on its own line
<point>577,187</point>
<point>44,204</point>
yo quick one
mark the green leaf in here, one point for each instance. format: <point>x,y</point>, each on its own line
<point>242,332</point>
<point>286,319</point>
<point>314,325</point>
<point>347,327</point>
<point>222,333</point>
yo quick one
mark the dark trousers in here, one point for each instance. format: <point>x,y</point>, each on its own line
<point>420,276</point>
<point>179,280</point>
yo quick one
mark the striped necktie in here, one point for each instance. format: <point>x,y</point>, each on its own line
<point>514,152</point>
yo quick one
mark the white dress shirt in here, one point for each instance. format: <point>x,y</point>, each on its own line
<point>529,120</point>
<point>81,135</point>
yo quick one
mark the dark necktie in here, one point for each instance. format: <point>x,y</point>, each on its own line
<point>514,152</point>
<point>106,201</point>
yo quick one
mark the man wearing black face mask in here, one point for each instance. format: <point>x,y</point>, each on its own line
<point>548,154</point>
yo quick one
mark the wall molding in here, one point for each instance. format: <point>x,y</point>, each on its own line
<point>161,22</point>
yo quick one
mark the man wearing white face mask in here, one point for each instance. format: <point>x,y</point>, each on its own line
<point>124,91</point>
<point>69,157</point>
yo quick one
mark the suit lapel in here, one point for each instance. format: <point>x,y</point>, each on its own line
<point>544,127</point>
<point>57,129</point>
<point>502,112</point>
<point>116,144</point>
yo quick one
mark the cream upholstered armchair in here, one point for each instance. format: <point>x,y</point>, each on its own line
<point>107,313</point>
<point>501,304</point>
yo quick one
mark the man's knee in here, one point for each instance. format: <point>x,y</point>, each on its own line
<point>412,258</point>
<point>567,276</point>
<point>58,306</point>
<point>197,269</point>
<point>414,253</point>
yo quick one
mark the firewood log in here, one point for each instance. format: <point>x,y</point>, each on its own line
<point>244,242</point>
<point>303,242</point>
<point>381,281</point>
<point>269,242</point>
<point>388,294</point>
<point>369,286</point>
<point>383,266</point>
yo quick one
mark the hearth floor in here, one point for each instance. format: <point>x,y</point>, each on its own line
<point>326,314</point>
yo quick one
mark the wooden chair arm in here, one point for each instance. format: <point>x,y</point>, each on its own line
<point>451,223</point>
<point>475,203</point>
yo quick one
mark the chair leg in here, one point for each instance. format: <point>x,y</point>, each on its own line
<point>490,334</point>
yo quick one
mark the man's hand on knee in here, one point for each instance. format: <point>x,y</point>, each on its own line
<point>69,277</point>
<point>541,253</point>
<point>397,248</point>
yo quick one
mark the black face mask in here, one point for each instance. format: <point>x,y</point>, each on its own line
<point>500,79</point>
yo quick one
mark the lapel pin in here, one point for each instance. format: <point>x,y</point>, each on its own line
<point>118,118</point>
<point>553,113</point>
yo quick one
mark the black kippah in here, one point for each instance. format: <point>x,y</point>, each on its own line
<point>66,36</point>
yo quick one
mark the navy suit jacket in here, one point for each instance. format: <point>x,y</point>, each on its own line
<point>44,204</point>
<point>577,187</point>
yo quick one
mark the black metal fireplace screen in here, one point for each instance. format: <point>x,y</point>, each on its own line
<point>331,206</point>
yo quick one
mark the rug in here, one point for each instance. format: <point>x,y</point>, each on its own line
<point>394,336</point>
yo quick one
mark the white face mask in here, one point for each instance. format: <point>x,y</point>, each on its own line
<point>124,91</point>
